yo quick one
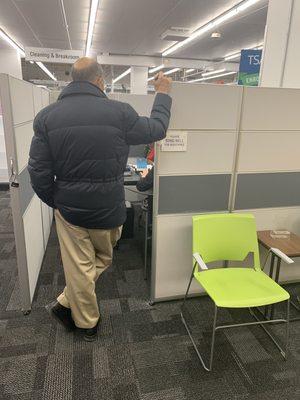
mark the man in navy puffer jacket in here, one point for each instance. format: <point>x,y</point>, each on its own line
<point>77,160</point>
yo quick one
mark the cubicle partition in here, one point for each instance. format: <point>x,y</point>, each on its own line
<point>3,161</point>
<point>241,155</point>
<point>268,167</point>
<point>32,219</point>
<point>197,180</point>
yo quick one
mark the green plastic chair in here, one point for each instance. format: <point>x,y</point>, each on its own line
<point>231,237</point>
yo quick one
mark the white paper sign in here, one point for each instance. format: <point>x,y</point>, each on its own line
<point>175,141</point>
<point>52,55</point>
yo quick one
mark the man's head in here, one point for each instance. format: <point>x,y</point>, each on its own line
<point>87,69</point>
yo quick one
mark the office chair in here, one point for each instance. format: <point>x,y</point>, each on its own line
<point>231,237</point>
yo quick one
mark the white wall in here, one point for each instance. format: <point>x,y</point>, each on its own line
<point>10,63</point>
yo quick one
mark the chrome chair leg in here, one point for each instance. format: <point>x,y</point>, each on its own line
<point>283,351</point>
<point>214,329</point>
<point>208,367</point>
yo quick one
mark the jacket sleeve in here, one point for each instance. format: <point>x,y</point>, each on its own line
<point>40,165</point>
<point>147,182</point>
<point>143,130</point>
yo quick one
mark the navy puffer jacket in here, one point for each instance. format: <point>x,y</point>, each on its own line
<point>79,153</point>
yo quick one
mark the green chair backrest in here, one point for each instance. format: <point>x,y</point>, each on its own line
<point>218,237</point>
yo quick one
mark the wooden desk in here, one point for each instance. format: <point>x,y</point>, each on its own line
<point>289,246</point>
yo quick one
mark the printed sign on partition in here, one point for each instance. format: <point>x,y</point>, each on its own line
<point>52,55</point>
<point>175,141</point>
<point>250,67</point>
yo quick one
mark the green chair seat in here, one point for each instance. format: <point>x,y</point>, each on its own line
<point>240,287</point>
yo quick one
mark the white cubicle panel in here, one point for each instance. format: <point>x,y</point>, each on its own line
<point>277,151</point>
<point>22,105</point>
<point>37,99</point>
<point>195,181</point>
<point>3,160</point>
<point>21,101</point>
<point>23,133</point>
<point>270,109</point>
<point>142,103</point>
<point>207,152</point>
<point>268,167</point>
<point>173,247</point>
<point>206,107</point>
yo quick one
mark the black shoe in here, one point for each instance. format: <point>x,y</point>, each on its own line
<point>61,314</point>
<point>90,334</point>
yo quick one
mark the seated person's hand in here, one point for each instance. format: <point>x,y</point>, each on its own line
<point>144,173</point>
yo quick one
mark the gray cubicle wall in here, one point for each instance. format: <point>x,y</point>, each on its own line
<point>268,167</point>
<point>32,219</point>
<point>198,180</point>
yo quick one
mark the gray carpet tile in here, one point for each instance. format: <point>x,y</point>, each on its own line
<point>142,352</point>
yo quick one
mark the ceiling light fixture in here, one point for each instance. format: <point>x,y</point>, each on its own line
<point>172,71</point>
<point>242,6</point>
<point>122,75</point>
<point>12,43</point>
<point>21,51</point>
<point>155,69</point>
<point>190,70</point>
<point>91,25</point>
<point>217,71</point>
<point>238,53</point>
<point>46,70</point>
<point>213,77</point>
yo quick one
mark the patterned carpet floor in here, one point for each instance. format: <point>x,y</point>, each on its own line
<point>141,353</point>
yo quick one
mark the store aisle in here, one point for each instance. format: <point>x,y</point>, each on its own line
<point>142,352</point>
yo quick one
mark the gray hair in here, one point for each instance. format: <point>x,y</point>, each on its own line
<point>90,72</point>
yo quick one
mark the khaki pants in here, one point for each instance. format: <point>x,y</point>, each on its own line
<point>86,253</point>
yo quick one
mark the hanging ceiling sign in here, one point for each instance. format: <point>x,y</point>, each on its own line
<point>250,67</point>
<point>52,55</point>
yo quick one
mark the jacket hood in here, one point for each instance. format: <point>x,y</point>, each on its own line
<point>81,87</point>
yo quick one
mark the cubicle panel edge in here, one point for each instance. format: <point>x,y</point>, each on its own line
<point>15,199</point>
<point>31,225</point>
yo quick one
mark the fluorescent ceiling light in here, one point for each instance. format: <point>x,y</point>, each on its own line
<point>238,53</point>
<point>190,70</point>
<point>155,69</point>
<point>211,24</point>
<point>232,56</point>
<point>151,78</point>
<point>12,43</point>
<point>46,70</point>
<point>171,71</point>
<point>213,77</point>
<point>91,25</point>
<point>122,75</point>
<point>246,4</point>
<point>21,51</point>
<point>217,71</point>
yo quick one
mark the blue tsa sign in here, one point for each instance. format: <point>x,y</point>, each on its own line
<point>250,67</point>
